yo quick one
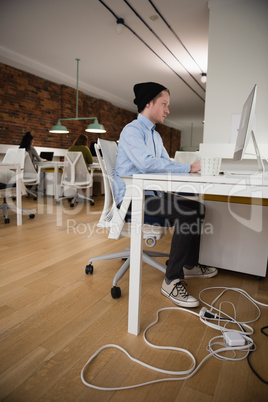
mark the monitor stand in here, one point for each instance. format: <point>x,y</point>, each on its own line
<point>257,153</point>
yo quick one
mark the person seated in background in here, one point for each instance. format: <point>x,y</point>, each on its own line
<point>27,143</point>
<point>81,145</point>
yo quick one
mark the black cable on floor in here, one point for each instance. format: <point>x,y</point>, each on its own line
<point>250,365</point>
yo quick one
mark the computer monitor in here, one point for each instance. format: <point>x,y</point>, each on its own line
<point>47,155</point>
<point>245,131</point>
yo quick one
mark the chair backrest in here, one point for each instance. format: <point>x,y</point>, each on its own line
<point>30,175</point>
<point>109,150</point>
<point>21,156</point>
<point>106,154</point>
<point>15,155</point>
<point>75,171</point>
<point>113,217</point>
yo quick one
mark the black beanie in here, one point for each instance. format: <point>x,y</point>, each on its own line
<point>145,92</point>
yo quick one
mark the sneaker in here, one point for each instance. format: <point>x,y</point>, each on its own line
<point>176,292</point>
<point>200,271</point>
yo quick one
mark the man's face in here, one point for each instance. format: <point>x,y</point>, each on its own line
<point>158,110</point>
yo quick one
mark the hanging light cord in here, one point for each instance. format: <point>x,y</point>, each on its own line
<point>160,40</point>
<point>134,33</point>
<point>174,33</point>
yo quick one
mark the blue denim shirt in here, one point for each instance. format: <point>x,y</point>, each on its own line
<point>141,150</point>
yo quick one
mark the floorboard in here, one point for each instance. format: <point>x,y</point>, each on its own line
<point>53,317</point>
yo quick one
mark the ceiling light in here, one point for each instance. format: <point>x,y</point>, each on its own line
<point>120,25</point>
<point>92,128</point>
<point>59,128</point>
<point>95,127</point>
<point>203,77</point>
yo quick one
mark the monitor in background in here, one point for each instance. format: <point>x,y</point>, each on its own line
<point>47,155</point>
<point>245,130</point>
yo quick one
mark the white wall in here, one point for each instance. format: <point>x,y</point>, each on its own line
<point>237,59</point>
<point>191,137</point>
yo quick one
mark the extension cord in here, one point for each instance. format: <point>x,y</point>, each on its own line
<point>234,340</point>
<point>204,313</point>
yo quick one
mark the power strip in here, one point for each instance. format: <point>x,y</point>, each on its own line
<point>233,338</point>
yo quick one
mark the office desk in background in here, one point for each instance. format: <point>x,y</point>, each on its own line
<point>254,186</point>
<point>56,166</point>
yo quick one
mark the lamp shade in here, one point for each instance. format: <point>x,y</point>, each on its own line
<point>59,128</point>
<point>95,127</point>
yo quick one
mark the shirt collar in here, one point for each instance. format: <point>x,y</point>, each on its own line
<point>146,121</point>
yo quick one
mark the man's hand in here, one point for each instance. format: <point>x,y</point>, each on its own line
<point>195,167</point>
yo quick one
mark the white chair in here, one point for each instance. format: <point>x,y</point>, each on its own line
<point>14,156</point>
<point>114,219</point>
<point>31,177</point>
<point>76,176</point>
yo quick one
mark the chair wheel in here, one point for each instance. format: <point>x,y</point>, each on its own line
<point>89,269</point>
<point>31,216</point>
<point>92,203</point>
<point>69,199</point>
<point>34,198</point>
<point>71,205</point>
<point>115,292</point>
<point>7,220</point>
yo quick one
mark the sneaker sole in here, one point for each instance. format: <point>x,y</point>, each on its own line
<point>180,303</point>
<point>188,276</point>
<point>211,275</point>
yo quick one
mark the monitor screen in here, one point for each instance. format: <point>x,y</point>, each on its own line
<point>47,155</point>
<point>245,126</point>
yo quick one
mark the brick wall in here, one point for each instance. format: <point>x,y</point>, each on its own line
<point>30,103</point>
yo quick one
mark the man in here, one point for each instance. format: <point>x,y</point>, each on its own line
<point>141,150</point>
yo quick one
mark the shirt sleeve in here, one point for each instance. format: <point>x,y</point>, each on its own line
<point>35,155</point>
<point>88,156</point>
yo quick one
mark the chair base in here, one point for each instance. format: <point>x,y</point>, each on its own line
<point>5,207</point>
<point>146,257</point>
<point>75,199</point>
<point>33,193</point>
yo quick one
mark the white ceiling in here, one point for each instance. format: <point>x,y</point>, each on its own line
<point>45,38</point>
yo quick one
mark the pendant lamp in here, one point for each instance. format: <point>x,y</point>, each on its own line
<point>94,127</point>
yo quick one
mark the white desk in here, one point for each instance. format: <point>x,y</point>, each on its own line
<point>56,165</point>
<point>17,167</point>
<point>229,185</point>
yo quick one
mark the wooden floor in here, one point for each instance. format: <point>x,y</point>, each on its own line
<point>53,317</point>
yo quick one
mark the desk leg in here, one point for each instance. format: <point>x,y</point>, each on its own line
<point>135,272</point>
<point>18,196</point>
<point>56,178</point>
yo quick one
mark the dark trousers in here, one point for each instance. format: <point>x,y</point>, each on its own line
<point>186,216</point>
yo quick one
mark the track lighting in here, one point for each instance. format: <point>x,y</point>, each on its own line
<point>120,25</point>
<point>203,77</point>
